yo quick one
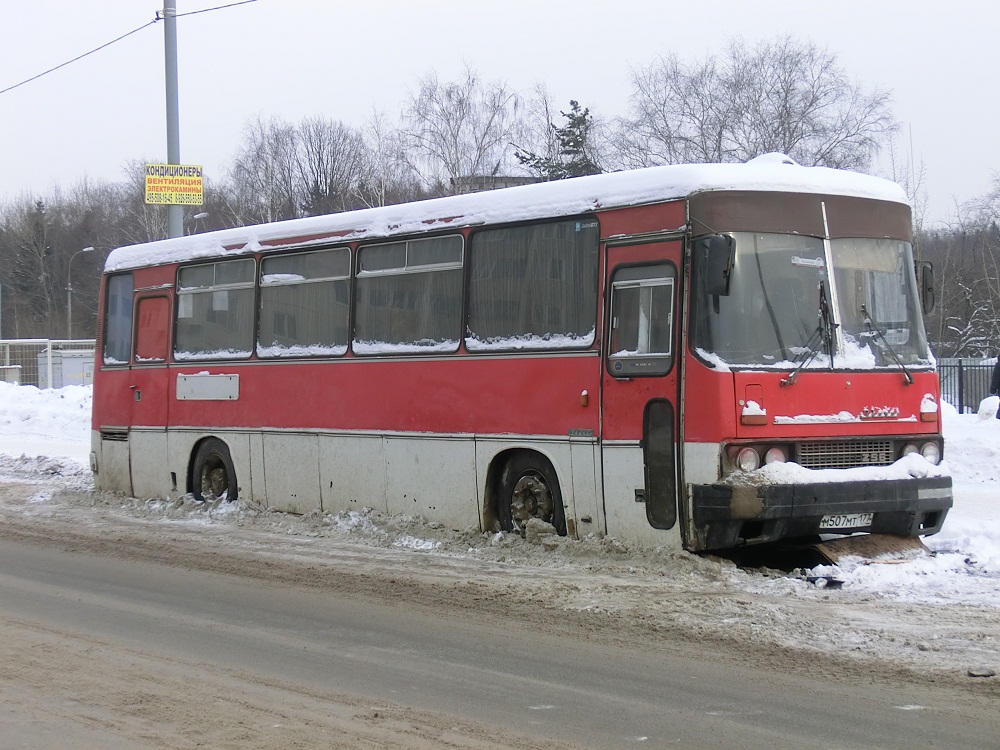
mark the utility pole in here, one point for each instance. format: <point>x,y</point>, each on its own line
<point>175,213</point>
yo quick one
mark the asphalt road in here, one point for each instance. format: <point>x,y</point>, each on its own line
<point>99,650</point>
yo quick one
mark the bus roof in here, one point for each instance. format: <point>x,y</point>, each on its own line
<point>771,172</point>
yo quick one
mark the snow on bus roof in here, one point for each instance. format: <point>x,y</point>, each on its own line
<point>771,172</point>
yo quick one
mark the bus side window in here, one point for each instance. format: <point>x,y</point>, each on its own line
<point>118,320</point>
<point>304,304</point>
<point>533,287</point>
<point>409,296</point>
<point>215,310</point>
<point>640,341</point>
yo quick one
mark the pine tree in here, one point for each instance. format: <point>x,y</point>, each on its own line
<point>572,157</point>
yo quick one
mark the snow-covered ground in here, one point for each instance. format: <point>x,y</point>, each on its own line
<point>42,430</point>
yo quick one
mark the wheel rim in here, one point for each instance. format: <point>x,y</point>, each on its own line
<point>214,482</point>
<point>531,498</point>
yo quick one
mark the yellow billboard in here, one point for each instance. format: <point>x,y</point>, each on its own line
<point>174,184</point>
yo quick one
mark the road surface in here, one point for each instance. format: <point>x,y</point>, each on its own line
<point>126,637</point>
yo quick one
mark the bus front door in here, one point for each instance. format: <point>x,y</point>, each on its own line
<point>639,392</point>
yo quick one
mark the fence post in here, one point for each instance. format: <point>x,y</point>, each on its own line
<point>961,388</point>
<point>48,365</point>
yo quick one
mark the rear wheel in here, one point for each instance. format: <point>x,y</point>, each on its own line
<point>214,477</point>
<point>529,489</point>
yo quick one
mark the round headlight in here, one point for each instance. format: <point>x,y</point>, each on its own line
<point>775,455</point>
<point>931,452</point>
<point>910,448</point>
<point>747,459</point>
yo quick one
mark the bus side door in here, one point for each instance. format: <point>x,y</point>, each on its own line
<point>150,396</point>
<point>639,394</point>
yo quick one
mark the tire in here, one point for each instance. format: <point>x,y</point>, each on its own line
<point>213,476</point>
<point>529,489</point>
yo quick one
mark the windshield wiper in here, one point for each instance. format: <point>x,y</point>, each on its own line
<point>824,334</point>
<point>875,330</point>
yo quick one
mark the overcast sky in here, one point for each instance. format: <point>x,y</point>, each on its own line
<point>344,58</point>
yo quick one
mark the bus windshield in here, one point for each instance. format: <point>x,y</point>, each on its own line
<point>772,315</point>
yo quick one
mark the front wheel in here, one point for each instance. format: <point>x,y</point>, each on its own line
<point>213,477</point>
<point>529,489</point>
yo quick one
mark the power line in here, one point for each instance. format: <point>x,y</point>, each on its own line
<point>207,10</point>
<point>78,57</point>
<point>158,17</point>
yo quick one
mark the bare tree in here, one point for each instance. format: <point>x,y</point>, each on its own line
<point>387,175</point>
<point>537,134</point>
<point>331,160</point>
<point>784,96</point>
<point>461,129</point>
<point>142,222</point>
<point>910,176</point>
<point>264,178</point>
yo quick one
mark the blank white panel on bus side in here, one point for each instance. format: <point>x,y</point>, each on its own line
<point>433,477</point>
<point>623,476</point>
<point>291,472</point>
<point>150,468</point>
<point>583,499</point>
<point>352,472</point>
<point>206,387</point>
<point>239,452</point>
<point>112,466</point>
<point>256,488</point>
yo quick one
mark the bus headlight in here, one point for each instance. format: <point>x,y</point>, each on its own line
<point>931,452</point>
<point>748,459</point>
<point>909,448</point>
<point>775,455</point>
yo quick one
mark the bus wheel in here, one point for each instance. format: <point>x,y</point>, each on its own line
<point>529,489</point>
<point>214,477</point>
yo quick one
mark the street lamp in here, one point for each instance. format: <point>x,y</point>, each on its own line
<point>69,292</point>
<point>192,221</point>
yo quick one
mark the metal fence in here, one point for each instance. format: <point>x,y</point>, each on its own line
<point>965,382</point>
<point>47,363</point>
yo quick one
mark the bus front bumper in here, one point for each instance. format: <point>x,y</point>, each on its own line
<point>727,516</point>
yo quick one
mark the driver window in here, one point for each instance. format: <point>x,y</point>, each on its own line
<point>640,340</point>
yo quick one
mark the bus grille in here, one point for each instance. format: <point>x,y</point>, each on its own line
<point>845,455</point>
<point>114,435</point>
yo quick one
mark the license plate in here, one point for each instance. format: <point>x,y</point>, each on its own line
<point>846,521</point>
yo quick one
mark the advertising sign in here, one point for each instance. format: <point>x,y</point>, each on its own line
<point>174,184</point>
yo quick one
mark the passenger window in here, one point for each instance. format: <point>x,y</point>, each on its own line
<point>215,310</point>
<point>409,297</point>
<point>304,304</point>
<point>533,287</point>
<point>640,340</point>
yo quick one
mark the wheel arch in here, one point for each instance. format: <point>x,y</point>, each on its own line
<point>494,472</point>
<point>193,456</point>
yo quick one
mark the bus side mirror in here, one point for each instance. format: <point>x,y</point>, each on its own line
<point>925,282</point>
<point>717,250</point>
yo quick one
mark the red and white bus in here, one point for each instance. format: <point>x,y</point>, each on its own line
<point>696,356</point>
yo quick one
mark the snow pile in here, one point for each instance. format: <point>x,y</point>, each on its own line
<point>965,566</point>
<point>36,423</point>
